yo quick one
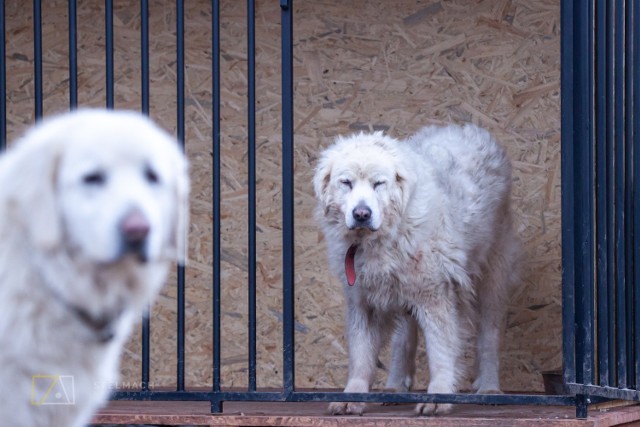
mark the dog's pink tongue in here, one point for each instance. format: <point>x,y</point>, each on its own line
<point>349,264</point>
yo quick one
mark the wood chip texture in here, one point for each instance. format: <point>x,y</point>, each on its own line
<point>359,65</point>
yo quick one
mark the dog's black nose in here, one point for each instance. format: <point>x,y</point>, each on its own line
<point>361,213</point>
<point>134,229</point>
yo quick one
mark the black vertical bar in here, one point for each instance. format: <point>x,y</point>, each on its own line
<point>628,196</point>
<point>620,191</point>
<point>216,405</point>
<point>602,256</point>
<point>577,190</point>
<point>582,406</point>
<point>37,56</point>
<point>587,201</point>
<point>144,55</point>
<point>181,139</point>
<point>287,197</point>
<point>180,68</point>
<point>144,83</point>
<point>146,356</point>
<point>108,29</point>
<point>611,218</point>
<point>583,141</point>
<point>215,70</point>
<point>146,333</point>
<point>73,56</point>
<point>251,123</point>
<point>636,186</point>
<point>3,79</point>
<point>568,184</point>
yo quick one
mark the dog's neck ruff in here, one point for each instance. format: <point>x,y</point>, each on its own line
<point>350,264</point>
<point>101,326</point>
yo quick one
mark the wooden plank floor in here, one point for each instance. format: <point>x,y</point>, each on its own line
<point>314,414</point>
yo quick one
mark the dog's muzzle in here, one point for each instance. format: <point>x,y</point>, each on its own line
<point>134,229</point>
<point>361,216</point>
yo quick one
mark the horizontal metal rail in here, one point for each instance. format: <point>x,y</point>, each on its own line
<point>324,396</point>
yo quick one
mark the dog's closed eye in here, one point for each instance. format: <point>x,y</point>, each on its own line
<point>347,183</point>
<point>95,178</point>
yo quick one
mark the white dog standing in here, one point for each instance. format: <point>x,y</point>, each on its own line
<point>93,209</point>
<point>420,233</point>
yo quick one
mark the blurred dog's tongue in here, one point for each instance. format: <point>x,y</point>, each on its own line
<point>349,264</point>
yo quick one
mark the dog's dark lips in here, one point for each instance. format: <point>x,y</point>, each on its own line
<point>362,228</point>
<point>361,232</point>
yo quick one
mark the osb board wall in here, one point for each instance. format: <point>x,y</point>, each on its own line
<point>359,65</point>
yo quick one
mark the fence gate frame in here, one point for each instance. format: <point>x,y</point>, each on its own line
<point>600,94</point>
<point>600,219</point>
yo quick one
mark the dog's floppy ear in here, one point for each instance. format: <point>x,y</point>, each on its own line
<point>30,171</point>
<point>322,176</point>
<point>406,181</point>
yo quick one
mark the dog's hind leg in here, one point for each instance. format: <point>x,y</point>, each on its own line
<point>365,330</point>
<point>493,294</point>
<point>440,322</point>
<point>488,347</point>
<point>403,354</point>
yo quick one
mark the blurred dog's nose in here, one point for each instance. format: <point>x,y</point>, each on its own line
<point>361,213</point>
<point>134,229</point>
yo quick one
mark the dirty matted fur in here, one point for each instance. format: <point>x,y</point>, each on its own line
<point>420,233</point>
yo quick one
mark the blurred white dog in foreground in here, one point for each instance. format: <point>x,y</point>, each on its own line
<point>93,207</point>
<point>420,233</point>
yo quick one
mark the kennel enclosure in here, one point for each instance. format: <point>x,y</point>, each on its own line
<point>600,76</point>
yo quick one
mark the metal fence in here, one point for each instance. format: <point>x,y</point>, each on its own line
<point>601,219</point>
<point>600,133</point>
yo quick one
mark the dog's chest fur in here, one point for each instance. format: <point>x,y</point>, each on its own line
<point>390,279</point>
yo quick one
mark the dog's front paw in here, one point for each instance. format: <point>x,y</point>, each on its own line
<point>394,390</point>
<point>433,408</point>
<point>346,408</point>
